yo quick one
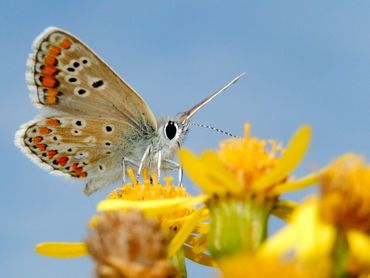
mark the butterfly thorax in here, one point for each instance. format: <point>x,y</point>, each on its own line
<point>171,134</point>
<point>158,149</point>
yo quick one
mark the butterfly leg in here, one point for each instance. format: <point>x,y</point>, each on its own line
<point>143,158</point>
<point>176,165</point>
<point>180,176</point>
<point>123,171</point>
<point>159,165</point>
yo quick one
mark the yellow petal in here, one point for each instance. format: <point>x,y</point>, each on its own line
<point>280,243</point>
<point>216,172</point>
<point>180,220</point>
<point>62,250</point>
<point>201,258</point>
<point>297,184</point>
<point>195,170</point>
<point>183,233</point>
<point>315,238</point>
<point>306,234</point>
<point>359,246</point>
<point>208,172</point>
<point>151,207</point>
<point>290,159</point>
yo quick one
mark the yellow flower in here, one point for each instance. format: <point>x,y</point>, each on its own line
<point>335,226</point>
<point>149,196</point>
<point>244,180</point>
<point>248,166</point>
<point>170,205</point>
<point>345,193</point>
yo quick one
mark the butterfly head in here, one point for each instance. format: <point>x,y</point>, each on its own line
<point>172,132</point>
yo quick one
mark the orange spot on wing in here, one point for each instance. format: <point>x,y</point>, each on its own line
<point>66,43</point>
<point>37,139</point>
<point>52,92</point>
<point>49,70</point>
<point>49,81</point>
<point>78,170</point>
<point>51,153</point>
<point>55,50</point>
<point>50,60</point>
<point>51,99</point>
<point>53,122</point>
<point>41,147</point>
<point>44,130</point>
<point>62,160</point>
<point>75,167</point>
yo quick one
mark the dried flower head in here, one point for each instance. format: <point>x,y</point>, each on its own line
<point>126,244</point>
<point>345,190</point>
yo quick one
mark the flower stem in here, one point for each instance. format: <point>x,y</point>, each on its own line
<point>237,225</point>
<point>179,262</point>
<point>340,257</point>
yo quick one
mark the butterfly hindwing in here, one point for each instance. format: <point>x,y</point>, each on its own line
<point>66,76</point>
<point>79,147</point>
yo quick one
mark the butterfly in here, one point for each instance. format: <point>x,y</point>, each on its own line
<point>95,126</point>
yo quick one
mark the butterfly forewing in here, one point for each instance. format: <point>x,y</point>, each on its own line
<point>65,75</point>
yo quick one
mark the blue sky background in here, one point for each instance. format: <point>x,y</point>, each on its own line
<point>306,62</point>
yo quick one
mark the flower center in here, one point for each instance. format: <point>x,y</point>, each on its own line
<point>249,158</point>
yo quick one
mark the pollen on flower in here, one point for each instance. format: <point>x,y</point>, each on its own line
<point>126,244</point>
<point>151,189</point>
<point>249,158</point>
<point>345,190</point>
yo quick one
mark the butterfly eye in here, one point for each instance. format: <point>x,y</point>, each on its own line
<point>171,130</point>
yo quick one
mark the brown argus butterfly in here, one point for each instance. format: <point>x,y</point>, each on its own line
<point>96,125</point>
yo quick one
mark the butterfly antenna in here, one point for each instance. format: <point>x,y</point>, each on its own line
<point>188,114</point>
<point>215,129</point>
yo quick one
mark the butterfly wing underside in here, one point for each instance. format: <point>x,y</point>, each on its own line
<point>67,76</point>
<point>95,116</point>
<point>78,147</point>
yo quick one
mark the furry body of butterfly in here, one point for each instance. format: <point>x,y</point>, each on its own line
<point>95,124</point>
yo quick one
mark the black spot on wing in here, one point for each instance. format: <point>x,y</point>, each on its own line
<point>97,84</point>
